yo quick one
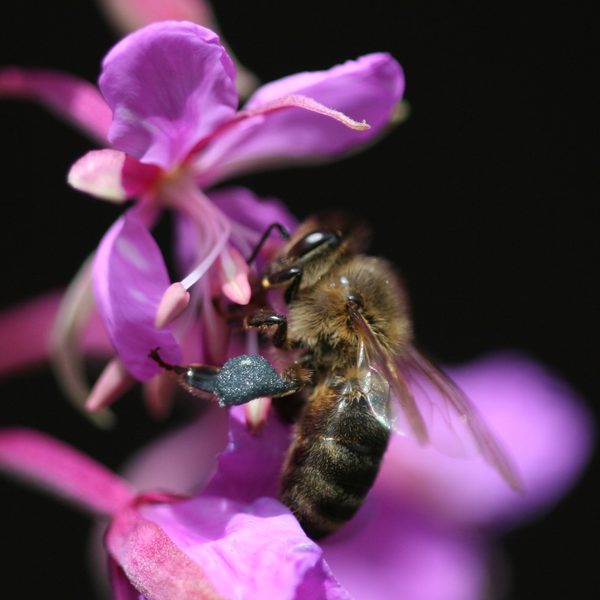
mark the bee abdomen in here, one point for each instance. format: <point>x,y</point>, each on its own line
<point>327,478</point>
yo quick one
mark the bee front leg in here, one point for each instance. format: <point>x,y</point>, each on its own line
<point>291,276</point>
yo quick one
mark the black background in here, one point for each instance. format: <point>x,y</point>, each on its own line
<point>484,198</point>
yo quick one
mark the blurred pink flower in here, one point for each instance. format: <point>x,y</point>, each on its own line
<point>424,532</point>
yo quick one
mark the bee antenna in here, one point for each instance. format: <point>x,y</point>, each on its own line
<point>282,231</point>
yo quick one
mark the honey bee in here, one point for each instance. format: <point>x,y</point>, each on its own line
<point>348,323</point>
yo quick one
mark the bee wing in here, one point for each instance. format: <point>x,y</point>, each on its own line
<point>453,420</point>
<point>409,421</point>
<point>441,413</point>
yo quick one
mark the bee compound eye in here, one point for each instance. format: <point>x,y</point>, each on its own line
<point>313,240</point>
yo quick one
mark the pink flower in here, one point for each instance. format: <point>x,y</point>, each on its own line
<point>169,110</point>
<point>424,532</point>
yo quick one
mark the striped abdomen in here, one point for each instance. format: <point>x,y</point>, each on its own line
<point>333,461</point>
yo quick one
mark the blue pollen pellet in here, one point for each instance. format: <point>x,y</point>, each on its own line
<point>246,377</point>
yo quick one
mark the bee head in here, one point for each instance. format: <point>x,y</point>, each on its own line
<point>315,248</point>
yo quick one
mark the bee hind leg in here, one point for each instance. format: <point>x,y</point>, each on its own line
<point>241,379</point>
<point>195,379</point>
<point>249,376</point>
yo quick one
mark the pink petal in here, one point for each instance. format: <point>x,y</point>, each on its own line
<point>181,460</point>
<point>367,89</point>
<point>243,206</point>
<point>130,279</point>
<point>129,15</point>
<point>111,175</point>
<point>250,465</point>
<point>169,85</point>
<point>34,333</point>
<point>387,552</point>
<point>51,464</point>
<point>258,548</point>
<point>539,420</point>
<point>99,173</point>
<point>26,333</point>
<point>72,99</point>
<point>274,106</point>
<point>378,71</point>
<point>152,561</point>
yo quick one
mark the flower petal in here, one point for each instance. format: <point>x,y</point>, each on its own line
<point>387,552</point>
<point>250,465</point>
<point>540,421</point>
<point>152,562</point>
<point>72,475</point>
<point>258,548</point>
<point>130,279</point>
<point>111,175</point>
<point>245,208</point>
<point>99,173</point>
<point>169,85</point>
<point>367,89</point>
<point>71,98</point>
<point>129,15</point>
<point>181,460</point>
<point>26,331</point>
